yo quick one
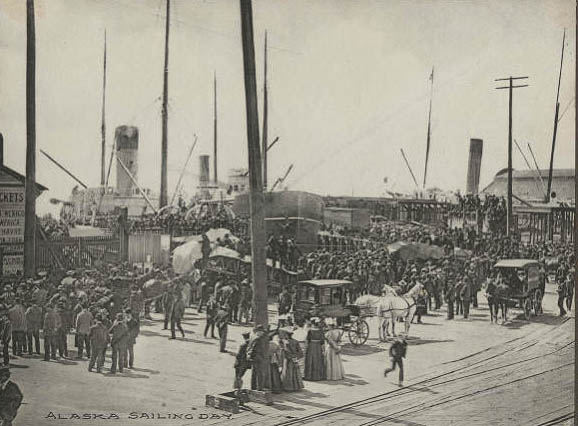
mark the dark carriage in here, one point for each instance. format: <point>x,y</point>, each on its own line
<point>329,299</point>
<point>526,284</point>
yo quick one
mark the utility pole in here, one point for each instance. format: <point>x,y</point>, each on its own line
<point>256,195</point>
<point>215,176</point>
<point>30,200</point>
<point>548,195</point>
<point>103,125</point>
<point>510,87</point>
<point>164,141</point>
<point>264,142</point>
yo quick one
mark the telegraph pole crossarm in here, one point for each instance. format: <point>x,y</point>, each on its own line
<point>510,88</point>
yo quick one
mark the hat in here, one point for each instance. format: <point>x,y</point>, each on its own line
<point>259,327</point>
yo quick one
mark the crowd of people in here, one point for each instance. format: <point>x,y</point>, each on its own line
<point>102,308</point>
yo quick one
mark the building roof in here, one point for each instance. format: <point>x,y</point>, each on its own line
<point>528,187</point>
<point>10,177</point>
<point>531,174</point>
<point>326,283</point>
<point>515,263</point>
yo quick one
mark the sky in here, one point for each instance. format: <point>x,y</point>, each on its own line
<point>348,86</point>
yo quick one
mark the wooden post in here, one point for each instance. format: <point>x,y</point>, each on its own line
<point>215,176</point>
<point>555,123</point>
<point>103,124</point>
<point>509,211</point>
<point>30,201</point>
<point>256,189</point>
<point>123,234</point>
<point>510,88</point>
<point>164,140</point>
<point>265,118</point>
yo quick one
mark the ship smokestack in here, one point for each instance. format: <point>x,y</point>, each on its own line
<point>474,166</point>
<point>126,142</point>
<point>204,177</point>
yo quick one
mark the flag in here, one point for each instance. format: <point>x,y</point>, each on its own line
<point>431,76</point>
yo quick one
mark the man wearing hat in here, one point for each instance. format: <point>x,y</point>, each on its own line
<point>50,326</point>
<point>118,342</point>
<point>177,314</point>
<point>5,333</point>
<point>17,316</point>
<point>397,352</point>
<point>99,339</point>
<point>242,364</point>
<point>466,295</point>
<point>10,397</point>
<point>65,315</point>
<point>222,319</point>
<point>257,355</point>
<point>33,325</point>
<point>83,324</point>
<point>133,325</point>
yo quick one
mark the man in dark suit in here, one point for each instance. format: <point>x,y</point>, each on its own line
<point>397,352</point>
<point>466,294</point>
<point>5,333</point>
<point>10,397</point>
<point>257,350</point>
<point>222,323</point>
<point>242,364</point>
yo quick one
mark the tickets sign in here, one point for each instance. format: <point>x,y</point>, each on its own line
<point>12,229</point>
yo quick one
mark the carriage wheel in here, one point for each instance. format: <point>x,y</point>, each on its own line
<point>359,332</point>
<point>527,308</point>
<point>538,302</point>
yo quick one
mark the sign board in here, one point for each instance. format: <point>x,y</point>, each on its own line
<point>12,229</point>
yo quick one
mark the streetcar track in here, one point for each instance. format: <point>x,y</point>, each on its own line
<point>431,381</point>
<point>420,407</point>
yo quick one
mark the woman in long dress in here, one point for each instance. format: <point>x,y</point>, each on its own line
<point>314,362</point>
<point>333,364</point>
<point>274,363</point>
<point>291,377</point>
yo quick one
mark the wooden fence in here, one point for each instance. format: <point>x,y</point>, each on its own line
<point>143,247</point>
<point>80,252</point>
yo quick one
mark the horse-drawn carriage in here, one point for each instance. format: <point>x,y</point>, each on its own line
<point>525,285</point>
<point>329,299</point>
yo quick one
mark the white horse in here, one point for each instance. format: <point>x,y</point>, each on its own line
<point>392,307</point>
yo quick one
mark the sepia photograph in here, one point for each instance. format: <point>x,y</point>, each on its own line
<point>282,213</point>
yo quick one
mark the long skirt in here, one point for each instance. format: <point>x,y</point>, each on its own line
<point>333,364</point>
<point>276,385</point>
<point>314,362</point>
<point>291,376</point>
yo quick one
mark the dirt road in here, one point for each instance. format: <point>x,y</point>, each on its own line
<point>457,372</point>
